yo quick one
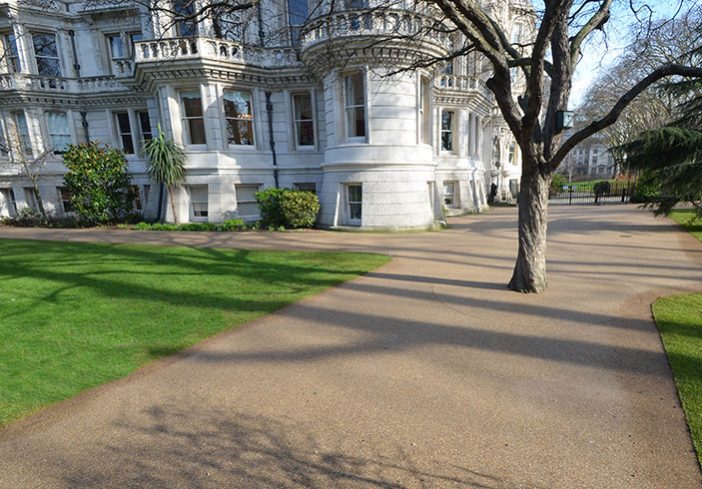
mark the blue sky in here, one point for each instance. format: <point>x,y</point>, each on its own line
<point>598,54</point>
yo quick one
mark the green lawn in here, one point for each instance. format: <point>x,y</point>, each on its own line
<point>679,320</point>
<point>74,315</point>
<point>687,219</point>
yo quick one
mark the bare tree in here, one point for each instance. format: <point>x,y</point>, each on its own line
<point>546,62</point>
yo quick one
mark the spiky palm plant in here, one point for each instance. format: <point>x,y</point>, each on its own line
<point>166,165</point>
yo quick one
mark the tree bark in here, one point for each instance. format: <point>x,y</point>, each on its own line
<point>530,270</point>
<point>173,206</point>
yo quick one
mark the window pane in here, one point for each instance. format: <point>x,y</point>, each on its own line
<point>305,133</point>
<point>123,122</point>
<point>303,106</point>
<point>59,132</point>
<point>240,132</point>
<point>48,67</point>
<point>23,131</point>
<point>45,45</point>
<point>356,120</point>
<point>196,129</point>
<point>355,89</point>
<point>144,125</point>
<point>355,193</point>
<point>192,104</point>
<point>237,105</point>
<point>116,46</point>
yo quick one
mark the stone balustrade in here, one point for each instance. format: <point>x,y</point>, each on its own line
<point>20,81</point>
<point>461,83</point>
<point>184,48</point>
<point>123,68</point>
<point>381,23</point>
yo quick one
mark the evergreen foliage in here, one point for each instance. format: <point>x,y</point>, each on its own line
<point>166,165</point>
<point>287,208</point>
<point>671,157</point>
<point>98,182</point>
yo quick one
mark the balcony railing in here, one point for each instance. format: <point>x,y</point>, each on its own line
<point>19,81</point>
<point>390,24</point>
<point>461,83</point>
<point>185,48</point>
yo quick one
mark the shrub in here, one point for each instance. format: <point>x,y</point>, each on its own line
<point>269,207</point>
<point>233,225</point>
<point>602,188</point>
<point>28,218</point>
<point>299,208</point>
<point>557,184</point>
<point>98,182</point>
<point>285,208</point>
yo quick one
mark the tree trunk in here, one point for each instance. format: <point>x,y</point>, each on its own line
<point>37,197</point>
<point>173,206</point>
<point>530,270</point>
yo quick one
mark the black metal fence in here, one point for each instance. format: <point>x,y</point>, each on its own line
<point>596,192</point>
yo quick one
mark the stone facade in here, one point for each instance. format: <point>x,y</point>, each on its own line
<point>256,100</point>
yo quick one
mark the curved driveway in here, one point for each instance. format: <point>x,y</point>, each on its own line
<point>424,373</point>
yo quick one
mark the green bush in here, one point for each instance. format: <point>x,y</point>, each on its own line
<point>226,226</point>
<point>99,183</point>
<point>602,188</point>
<point>299,208</point>
<point>285,208</point>
<point>233,225</point>
<point>557,183</point>
<point>269,207</point>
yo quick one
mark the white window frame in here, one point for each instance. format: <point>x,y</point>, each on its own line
<point>451,131</point>
<point>49,134</point>
<point>184,118</point>
<point>346,108</point>
<point>238,190</point>
<point>58,53</point>
<point>30,198</point>
<point>454,196</point>
<point>252,119</point>
<point>424,112</point>
<point>24,140</point>
<point>13,61</point>
<point>120,135</point>
<point>8,194</point>
<point>142,132</point>
<point>193,212</point>
<point>296,121</point>
<point>63,199</point>
<point>353,221</point>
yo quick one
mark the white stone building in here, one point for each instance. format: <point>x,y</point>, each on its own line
<point>279,95</point>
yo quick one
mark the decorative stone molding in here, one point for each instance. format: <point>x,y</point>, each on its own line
<point>176,49</point>
<point>44,84</point>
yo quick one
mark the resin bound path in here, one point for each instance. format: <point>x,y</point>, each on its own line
<point>424,373</point>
